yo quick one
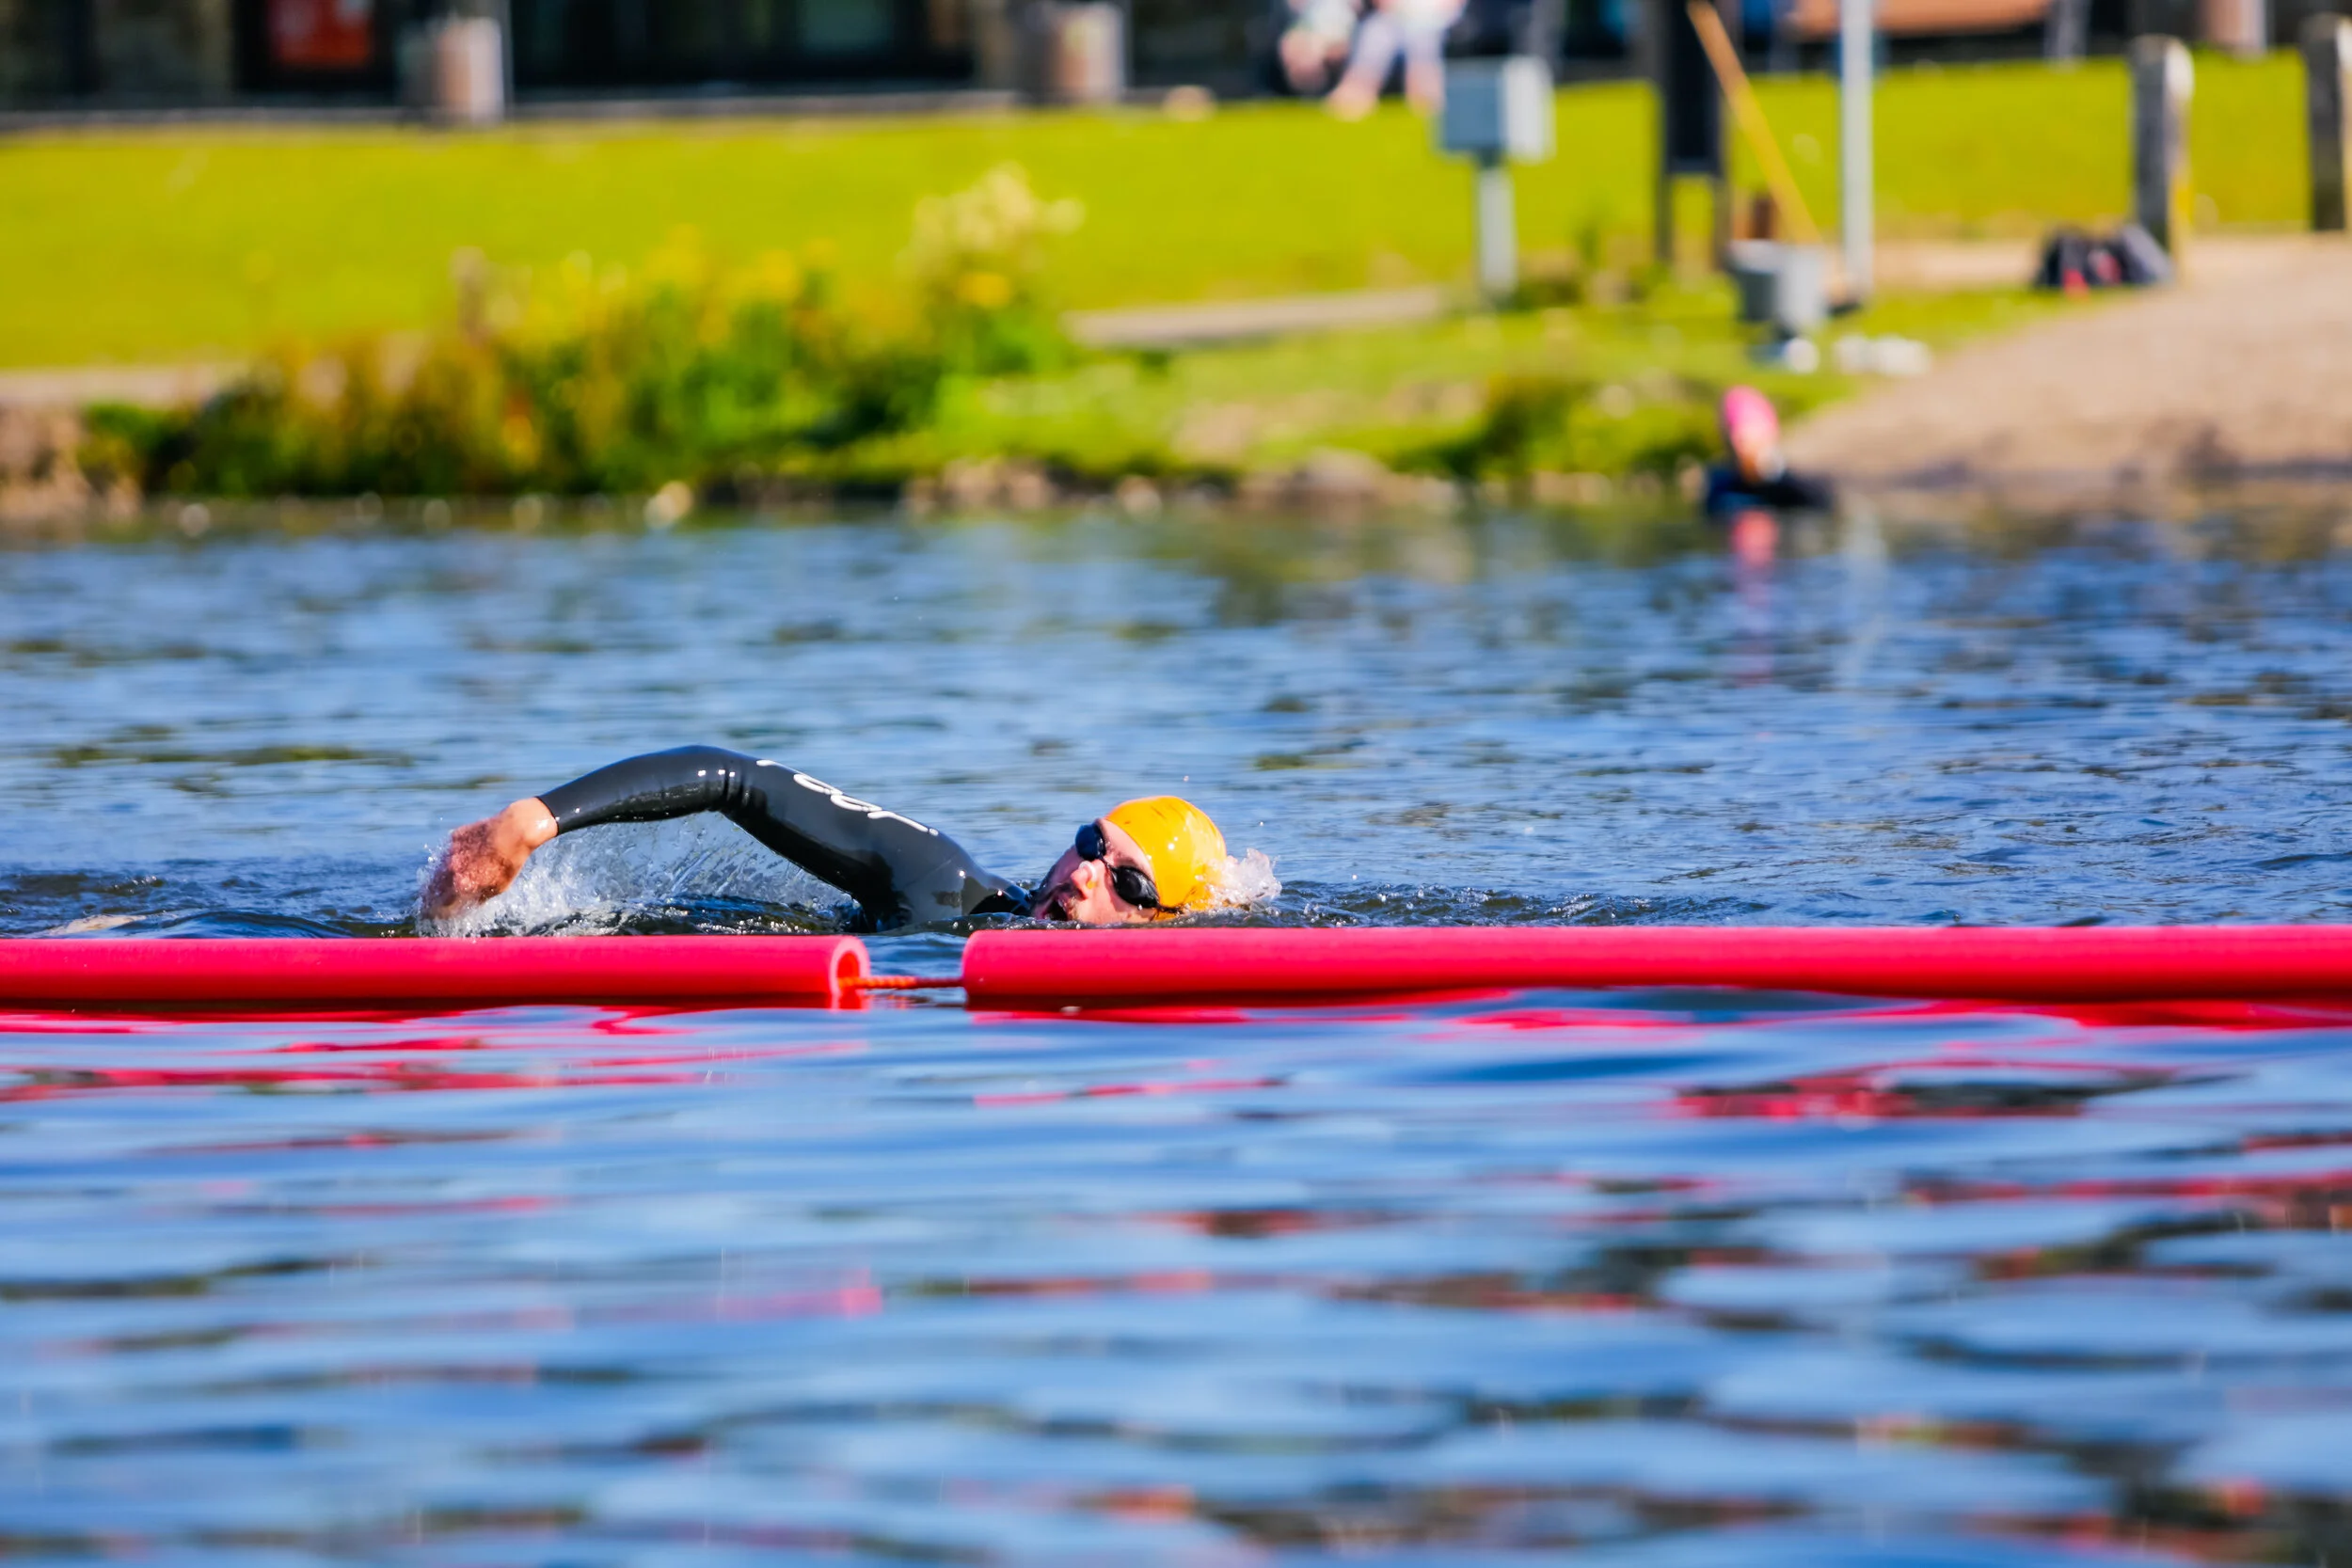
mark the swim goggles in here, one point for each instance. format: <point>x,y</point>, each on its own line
<point>1133,884</point>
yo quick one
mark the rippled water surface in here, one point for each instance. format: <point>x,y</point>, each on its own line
<point>1668,1279</point>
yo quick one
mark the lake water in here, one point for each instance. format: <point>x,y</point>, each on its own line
<point>1662,1278</point>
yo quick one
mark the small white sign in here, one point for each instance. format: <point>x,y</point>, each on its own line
<point>1498,109</point>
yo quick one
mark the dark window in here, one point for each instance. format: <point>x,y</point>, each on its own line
<point>564,44</point>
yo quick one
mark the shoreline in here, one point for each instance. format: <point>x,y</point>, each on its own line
<point>2237,379</point>
<point>2240,373</point>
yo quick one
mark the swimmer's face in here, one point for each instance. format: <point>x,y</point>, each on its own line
<point>1754,443</point>
<point>1081,891</point>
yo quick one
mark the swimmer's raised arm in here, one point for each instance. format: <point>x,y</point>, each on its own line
<point>898,869</point>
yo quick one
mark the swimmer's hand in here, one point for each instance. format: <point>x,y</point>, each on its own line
<point>483,858</point>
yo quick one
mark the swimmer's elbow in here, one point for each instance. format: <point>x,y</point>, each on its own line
<point>528,824</point>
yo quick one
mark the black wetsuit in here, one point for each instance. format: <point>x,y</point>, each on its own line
<point>900,872</point>
<point>1729,493</point>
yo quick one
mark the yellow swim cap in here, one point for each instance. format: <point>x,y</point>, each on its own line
<point>1185,851</point>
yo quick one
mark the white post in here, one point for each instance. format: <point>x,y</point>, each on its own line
<point>1497,111</point>
<point>1498,231</point>
<point>2240,27</point>
<point>1855,40</point>
<point>469,71</point>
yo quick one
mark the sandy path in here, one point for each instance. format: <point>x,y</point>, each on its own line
<point>76,386</point>
<point>2243,370</point>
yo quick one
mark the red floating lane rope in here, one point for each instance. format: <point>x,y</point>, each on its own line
<point>297,973</point>
<point>2014,964</point>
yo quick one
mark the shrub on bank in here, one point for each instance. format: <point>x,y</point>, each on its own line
<point>955,385</point>
<point>1533,423</point>
<point>597,379</point>
<point>975,260</point>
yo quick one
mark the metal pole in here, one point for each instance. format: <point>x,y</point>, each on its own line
<point>504,16</point>
<point>1498,231</point>
<point>2162,82</point>
<point>1658,22</point>
<point>2326,74</point>
<point>1855,215</point>
<point>2063,31</point>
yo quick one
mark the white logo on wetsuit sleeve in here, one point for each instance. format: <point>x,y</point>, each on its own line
<point>850,802</point>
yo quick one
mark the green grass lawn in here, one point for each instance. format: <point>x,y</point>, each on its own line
<point>200,244</point>
<point>1397,392</point>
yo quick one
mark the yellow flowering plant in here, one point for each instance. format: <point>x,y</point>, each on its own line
<point>978,259</point>
<point>585,377</point>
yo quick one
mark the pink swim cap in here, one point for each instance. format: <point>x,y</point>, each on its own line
<point>1747,409</point>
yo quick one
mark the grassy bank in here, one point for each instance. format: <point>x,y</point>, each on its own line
<point>758,388</point>
<point>150,246</point>
<point>1633,386</point>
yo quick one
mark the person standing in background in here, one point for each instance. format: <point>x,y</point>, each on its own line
<point>1316,41</point>
<point>1413,28</point>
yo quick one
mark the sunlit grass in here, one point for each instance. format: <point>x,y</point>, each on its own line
<point>194,243</point>
<point>1395,392</point>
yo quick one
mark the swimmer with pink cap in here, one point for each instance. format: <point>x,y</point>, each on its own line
<point>1755,475</point>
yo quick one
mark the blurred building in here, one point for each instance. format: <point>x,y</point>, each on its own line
<point>137,51</point>
<point>140,53</point>
<point>130,55</point>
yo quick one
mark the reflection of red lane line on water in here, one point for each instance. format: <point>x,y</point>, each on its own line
<point>1489,1292</point>
<point>569,1018</point>
<point>406,1043</point>
<point>857,1296</point>
<point>47,1081</point>
<point>1857,1104</point>
<point>1113,1091</point>
<point>1930,1087</point>
<point>2284,1185</point>
<point>1837,1012</point>
<point>1198,1013</point>
<point>154,1023</point>
<point>70,1023</point>
<point>1257,1224</point>
<point>2318,1012</point>
<point>1577,1018</point>
<point>2255,1143</point>
<point>375,1138</point>
<point>708,1055</point>
<point>51,1083</point>
<point>517,1203</point>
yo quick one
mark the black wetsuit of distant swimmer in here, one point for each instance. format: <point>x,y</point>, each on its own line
<point>1729,493</point>
<point>900,872</point>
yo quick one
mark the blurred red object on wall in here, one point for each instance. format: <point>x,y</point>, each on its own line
<point>1815,20</point>
<point>322,35</point>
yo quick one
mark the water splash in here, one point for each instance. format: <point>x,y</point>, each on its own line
<point>1248,881</point>
<point>643,875</point>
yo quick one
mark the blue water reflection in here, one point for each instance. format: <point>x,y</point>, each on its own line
<point>568,1285</point>
<point>1500,719</point>
<point>1668,1279</point>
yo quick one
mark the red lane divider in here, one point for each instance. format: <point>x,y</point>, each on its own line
<point>2009,964</point>
<point>2100,964</point>
<point>294,972</point>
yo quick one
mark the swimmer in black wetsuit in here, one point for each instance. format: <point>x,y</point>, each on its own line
<point>1143,859</point>
<point>1754,476</point>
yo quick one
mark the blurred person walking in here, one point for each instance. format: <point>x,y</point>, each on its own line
<point>1415,29</point>
<point>1316,41</point>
